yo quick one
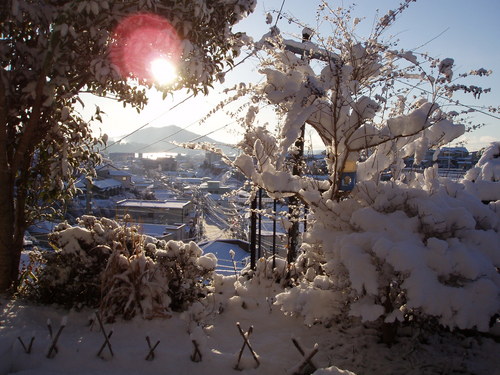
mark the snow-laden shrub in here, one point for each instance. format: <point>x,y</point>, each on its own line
<point>71,276</point>
<point>247,290</point>
<point>395,252</point>
<point>160,276</point>
<point>254,287</point>
<point>187,270</point>
<point>133,285</point>
<point>265,274</point>
<point>484,179</point>
<point>100,263</point>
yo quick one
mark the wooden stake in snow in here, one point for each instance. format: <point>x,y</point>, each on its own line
<point>196,356</point>
<point>106,337</point>
<point>306,361</point>
<point>246,342</point>
<point>27,350</point>
<point>151,354</point>
<point>53,347</point>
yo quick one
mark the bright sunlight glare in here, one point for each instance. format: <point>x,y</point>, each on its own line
<point>163,71</point>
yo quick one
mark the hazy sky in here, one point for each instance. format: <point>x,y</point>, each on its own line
<point>468,31</point>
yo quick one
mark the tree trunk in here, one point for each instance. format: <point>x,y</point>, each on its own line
<point>7,220</point>
<point>20,226</point>
<point>389,330</point>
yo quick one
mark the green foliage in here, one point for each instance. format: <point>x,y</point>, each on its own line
<point>69,280</point>
<point>50,53</point>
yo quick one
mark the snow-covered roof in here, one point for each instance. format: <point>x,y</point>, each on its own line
<point>141,180</point>
<point>113,172</point>
<point>107,184</point>
<point>152,203</point>
<point>455,149</point>
<point>156,230</point>
<point>221,249</point>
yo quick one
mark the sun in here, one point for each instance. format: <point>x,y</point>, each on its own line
<point>163,71</point>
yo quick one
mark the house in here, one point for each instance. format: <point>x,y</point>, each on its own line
<point>447,158</point>
<point>108,171</point>
<point>121,156</point>
<point>215,187</point>
<point>164,164</point>
<point>164,232</point>
<point>142,184</point>
<point>156,211</point>
<point>106,188</point>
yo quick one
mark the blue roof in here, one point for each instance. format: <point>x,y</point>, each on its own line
<point>221,249</point>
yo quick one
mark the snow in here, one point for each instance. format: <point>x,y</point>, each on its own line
<point>482,180</point>
<point>341,349</point>
<point>431,241</point>
<point>418,248</point>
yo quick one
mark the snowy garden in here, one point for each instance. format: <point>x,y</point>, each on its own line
<point>390,277</point>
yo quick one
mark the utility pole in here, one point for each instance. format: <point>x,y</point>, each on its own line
<point>253,232</point>
<point>88,196</point>
<point>259,252</point>
<point>293,202</point>
<point>298,157</point>
<point>307,51</point>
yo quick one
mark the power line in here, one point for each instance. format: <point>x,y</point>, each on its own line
<point>192,140</point>
<point>279,13</point>
<point>149,122</point>
<point>168,136</point>
<point>451,100</point>
<point>171,108</point>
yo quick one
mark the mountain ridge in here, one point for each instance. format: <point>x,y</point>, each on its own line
<point>160,139</point>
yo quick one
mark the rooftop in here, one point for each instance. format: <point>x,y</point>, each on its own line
<point>106,184</point>
<point>153,203</point>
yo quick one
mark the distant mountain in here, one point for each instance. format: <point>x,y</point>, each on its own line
<point>160,139</point>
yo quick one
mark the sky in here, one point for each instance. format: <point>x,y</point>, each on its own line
<point>467,31</point>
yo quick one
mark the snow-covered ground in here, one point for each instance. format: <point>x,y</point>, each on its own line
<point>356,349</point>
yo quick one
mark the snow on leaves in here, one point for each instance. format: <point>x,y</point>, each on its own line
<point>101,263</point>
<point>417,247</point>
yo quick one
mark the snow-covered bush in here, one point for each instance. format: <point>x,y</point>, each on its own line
<point>247,290</point>
<point>133,285</point>
<point>417,248</point>
<point>484,179</point>
<point>401,253</point>
<point>187,270</point>
<point>158,277</point>
<point>100,263</point>
<point>72,273</point>
<point>268,271</point>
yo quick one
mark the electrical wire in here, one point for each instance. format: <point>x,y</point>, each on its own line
<point>149,122</point>
<point>192,140</point>
<point>451,100</point>
<point>173,107</point>
<point>279,13</point>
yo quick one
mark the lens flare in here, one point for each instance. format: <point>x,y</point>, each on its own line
<point>163,71</point>
<point>146,46</point>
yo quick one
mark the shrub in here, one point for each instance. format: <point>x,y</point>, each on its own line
<point>100,263</point>
<point>426,251</point>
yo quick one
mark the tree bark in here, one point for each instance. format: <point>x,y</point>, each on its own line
<point>6,194</point>
<point>7,253</point>
<point>15,158</point>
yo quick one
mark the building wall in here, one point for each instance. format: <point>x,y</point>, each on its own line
<point>156,215</point>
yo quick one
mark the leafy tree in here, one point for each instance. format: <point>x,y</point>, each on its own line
<point>415,247</point>
<point>50,52</point>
